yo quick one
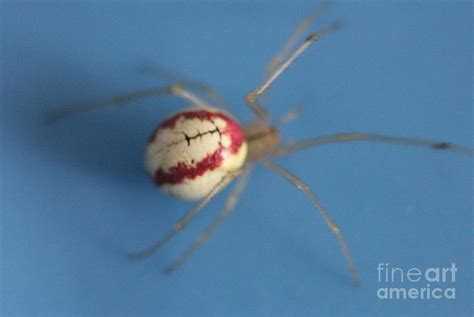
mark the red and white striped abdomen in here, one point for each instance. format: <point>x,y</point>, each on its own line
<point>190,152</point>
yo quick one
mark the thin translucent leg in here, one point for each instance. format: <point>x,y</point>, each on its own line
<point>186,219</point>
<point>350,137</point>
<point>322,211</point>
<point>204,236</point>
<point>291,115</point>
<point>252,98</point>
<point>127,98</point>
<point>155,69</point>
<point>297,35</point>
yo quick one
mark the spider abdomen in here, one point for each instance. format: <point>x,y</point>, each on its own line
<point>190,152</point>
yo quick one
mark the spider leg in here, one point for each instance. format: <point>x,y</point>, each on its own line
<point>178,79</point>
<point>291,115</point>
<point>187,218</point>
<point>252,98</point>
<point>119,100</point>
<point>350,137</point>
<point>298,183</point>
<point>297,34</point>
<point>212,227</point>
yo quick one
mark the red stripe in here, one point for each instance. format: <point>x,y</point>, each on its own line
<point>177,174</point>
<point>202,114</point>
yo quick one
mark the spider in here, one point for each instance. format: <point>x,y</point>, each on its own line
<point>197,152</point>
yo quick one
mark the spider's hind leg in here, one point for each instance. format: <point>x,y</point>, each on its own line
<point>214,225</point>
<point>298,183</point>
<point>187,218</point>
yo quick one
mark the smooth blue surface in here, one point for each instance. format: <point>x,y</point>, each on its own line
<point>75,198</point>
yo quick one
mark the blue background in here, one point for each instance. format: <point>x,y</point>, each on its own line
<point>75,197</point>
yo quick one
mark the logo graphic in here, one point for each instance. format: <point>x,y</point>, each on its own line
<point>416,283</point>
